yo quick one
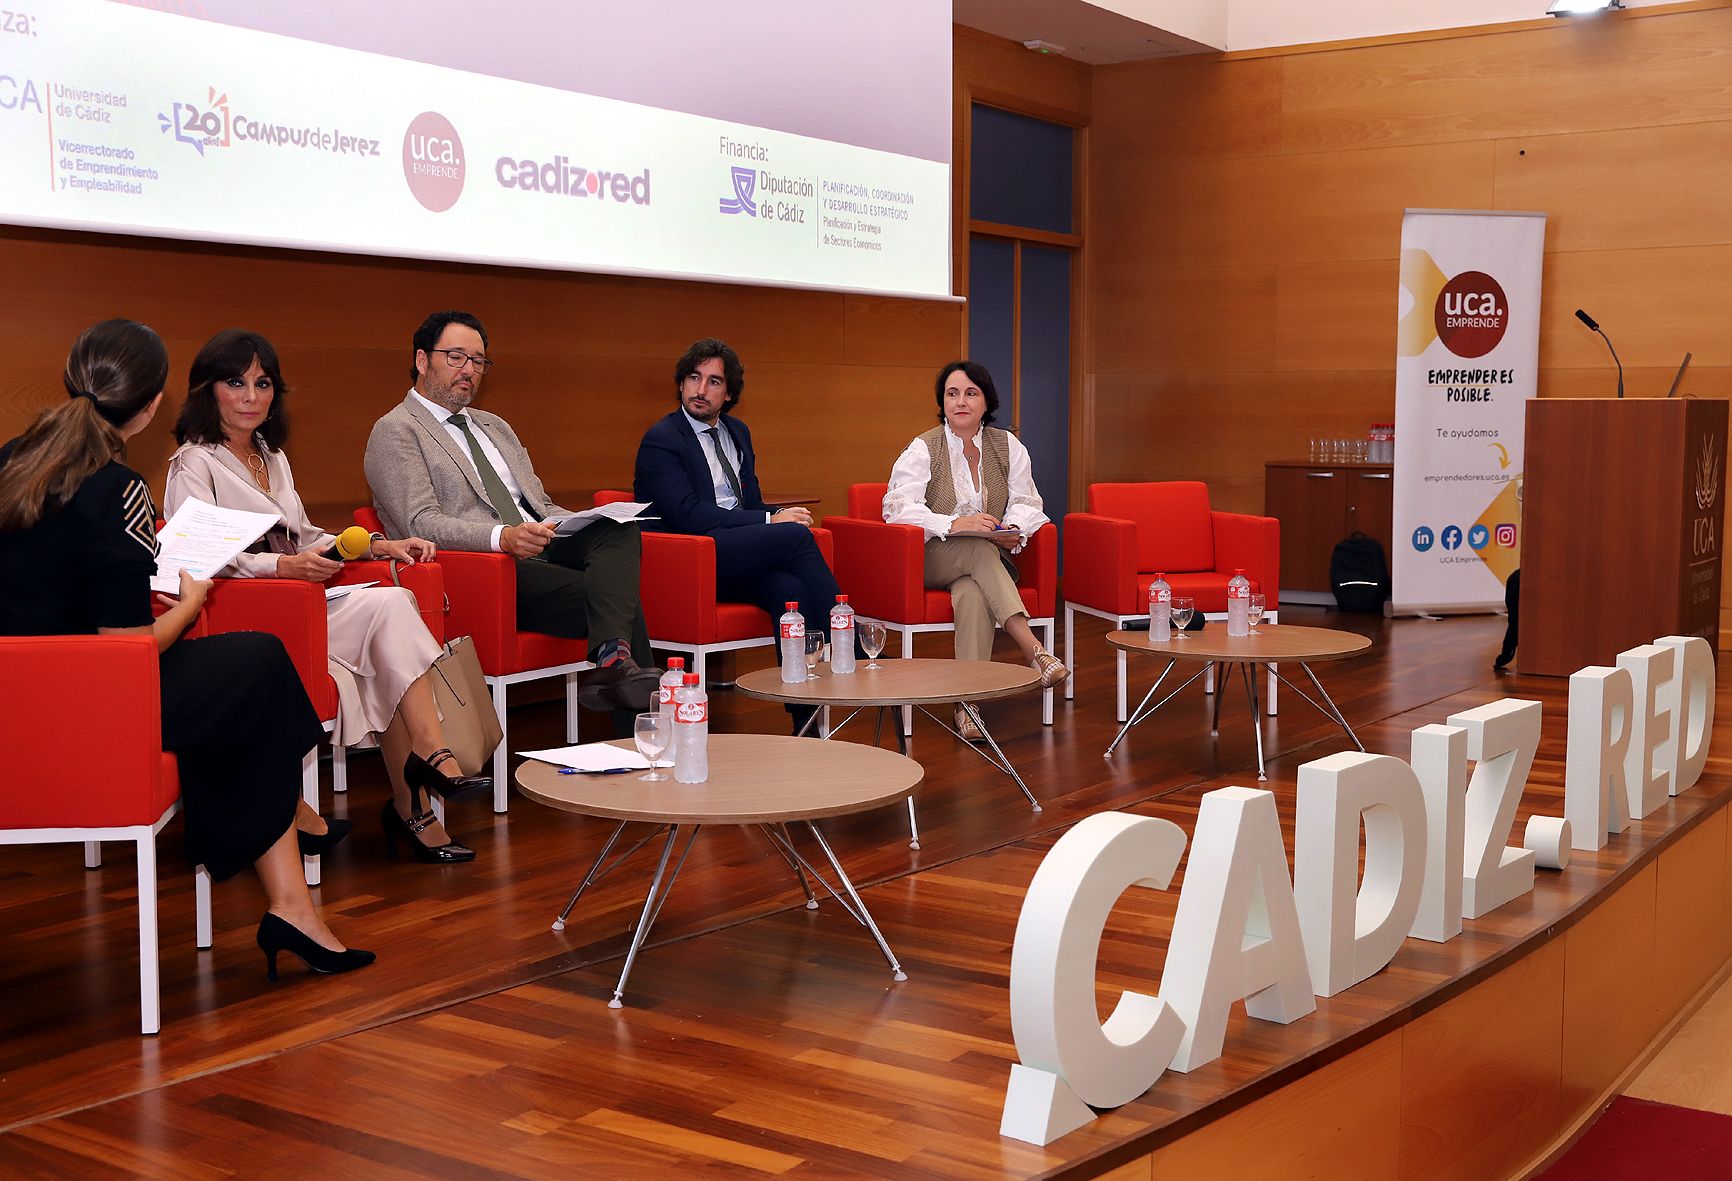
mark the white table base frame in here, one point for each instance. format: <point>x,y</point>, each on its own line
<point>499,686</point>
<point>998,758</point>
<point>1118,622</point>
<point>658,893</point>
<point>1327,708</point>
<point>1046,626</point>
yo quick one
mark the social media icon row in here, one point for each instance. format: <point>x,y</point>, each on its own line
<point>1478,537</point>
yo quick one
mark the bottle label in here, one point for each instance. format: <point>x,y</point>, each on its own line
<point>841,623</point>
<point>1157,595</point>
<point>692,711</point>
<point>1241,591</point>
<point>794,631</point>
<point>667,696</point>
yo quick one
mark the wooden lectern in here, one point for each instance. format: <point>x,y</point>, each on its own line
<point>1622,510</point>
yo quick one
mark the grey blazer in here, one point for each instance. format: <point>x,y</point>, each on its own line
<point>424,484</point>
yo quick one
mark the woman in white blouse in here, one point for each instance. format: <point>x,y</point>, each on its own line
<point>231,430</point>
<point>969,486</point>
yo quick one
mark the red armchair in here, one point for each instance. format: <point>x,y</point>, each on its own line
<point>68,797</point>
<point>293,610</point>
<point>481,593</point>
<point>882,567</point>
<point>1134,531</point>
<point>678,589</point>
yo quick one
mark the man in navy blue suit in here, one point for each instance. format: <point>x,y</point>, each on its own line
<point>698,469</point>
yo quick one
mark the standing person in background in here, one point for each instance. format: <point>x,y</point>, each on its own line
<point>77,550</point>
<point>967,476</point>
<point>232,430</point>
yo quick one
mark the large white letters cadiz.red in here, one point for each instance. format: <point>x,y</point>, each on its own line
<point>1236,934</point>
<point>1501,740</point>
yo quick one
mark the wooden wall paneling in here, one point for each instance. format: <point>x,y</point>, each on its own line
<point>1190,107</point>
<point>1480,1074</point>
<point>1220,426</point>
<point>1032,82</point>
<point>1337,315</point>
<point>1213,317</point>
<point>1689,927</point>
<point>1339,1123</point>
<point>1257,210</point>
<point>1626,189</point>
<point>1609,1018</point>
<point>1571,76</point>
<point>913,332</point>
<point>1654,304</point>
<point>1640,381</point>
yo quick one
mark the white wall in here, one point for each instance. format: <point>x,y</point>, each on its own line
<point>1259,24</point>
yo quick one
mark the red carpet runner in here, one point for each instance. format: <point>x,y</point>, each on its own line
<point>1639,1139</point>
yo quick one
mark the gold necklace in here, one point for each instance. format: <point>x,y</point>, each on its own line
<point>255,465</point>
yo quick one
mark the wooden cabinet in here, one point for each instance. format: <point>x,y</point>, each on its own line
<point>1318,504</point>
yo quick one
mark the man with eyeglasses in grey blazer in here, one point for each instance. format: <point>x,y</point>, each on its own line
<point>460,478</point>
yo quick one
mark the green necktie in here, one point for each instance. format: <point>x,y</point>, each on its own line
<point>728,471</point>
<point>497,492</point>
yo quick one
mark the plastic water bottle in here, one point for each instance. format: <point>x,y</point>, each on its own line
<point>670,683</point>
<point>1238,605</point>
<point>1160,610</point>
<point>691,732</point>
<point>792,630</point>
<point>841,637</point>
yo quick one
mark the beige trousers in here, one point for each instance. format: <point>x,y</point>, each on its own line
<point>982,594</point>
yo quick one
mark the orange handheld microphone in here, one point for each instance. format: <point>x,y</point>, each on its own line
<point>353,542</point>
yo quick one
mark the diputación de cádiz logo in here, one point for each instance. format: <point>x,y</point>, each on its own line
<point>1467,314</point>
<point>745,181</point>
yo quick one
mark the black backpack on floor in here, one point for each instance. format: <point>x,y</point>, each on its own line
<point>1359,574</point>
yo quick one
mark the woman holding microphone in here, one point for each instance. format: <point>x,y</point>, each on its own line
<point>232,430</point>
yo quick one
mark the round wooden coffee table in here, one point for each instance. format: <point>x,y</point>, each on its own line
<point>916,682</point>
<point>755,779</point>
<point>1267,646</point>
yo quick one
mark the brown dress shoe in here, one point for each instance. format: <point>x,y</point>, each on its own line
<point>1051,669</point>
<point>621,685</point>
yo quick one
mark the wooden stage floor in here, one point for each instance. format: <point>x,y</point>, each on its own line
<point>758,1037</point>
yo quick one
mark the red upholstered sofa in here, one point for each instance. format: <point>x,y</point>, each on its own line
<point>1131,532</point>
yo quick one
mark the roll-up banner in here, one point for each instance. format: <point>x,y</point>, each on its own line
<point>1467,356</point>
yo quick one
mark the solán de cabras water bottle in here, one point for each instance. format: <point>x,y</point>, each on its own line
<point>670,684</point>
<point>1238,605</point>
<point>1160,610</point>
<point>792,632</point>
<point>691,732</point>
<point>841,637</point>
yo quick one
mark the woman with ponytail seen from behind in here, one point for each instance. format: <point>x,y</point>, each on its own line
<point>77,549</point>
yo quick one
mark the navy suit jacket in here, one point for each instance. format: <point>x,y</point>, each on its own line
<point>673,473</point>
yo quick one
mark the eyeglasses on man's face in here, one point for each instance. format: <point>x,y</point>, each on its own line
<point>457,359</point>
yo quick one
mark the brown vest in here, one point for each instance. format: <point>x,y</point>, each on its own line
<point>994,477</point>
<point>994,471</point>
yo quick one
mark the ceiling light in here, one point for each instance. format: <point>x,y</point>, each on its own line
<point>1040,46</point>
<point>1581,7</point>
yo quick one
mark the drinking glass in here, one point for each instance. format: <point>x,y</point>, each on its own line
<point>814,651</point>
<point>1183,609</point>
<point>872,641</point>
<point>652,738</point>
<point>1258,604</point>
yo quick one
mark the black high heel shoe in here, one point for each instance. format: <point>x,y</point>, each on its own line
<point>315,844</point>
<point>420,773</point>
<point>278,934</point>
<point>409,831</point>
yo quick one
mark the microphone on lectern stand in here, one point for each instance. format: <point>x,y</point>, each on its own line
<point>1589,321</point>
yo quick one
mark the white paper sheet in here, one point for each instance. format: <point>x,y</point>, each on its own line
<point>333,593</point>
<point>619,510</point>
<point>201,539</point>
<point>591,756</point>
